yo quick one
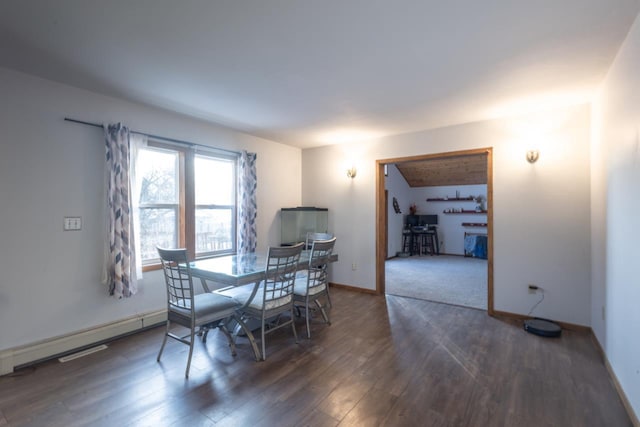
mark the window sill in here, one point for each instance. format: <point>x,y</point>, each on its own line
<point>158,266</point>
<point>151,267</point>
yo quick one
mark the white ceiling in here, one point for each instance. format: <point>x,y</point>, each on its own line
<point>315,72</point>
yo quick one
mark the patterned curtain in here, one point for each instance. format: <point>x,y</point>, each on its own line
<point>120,263</point>
<point>247,205</point>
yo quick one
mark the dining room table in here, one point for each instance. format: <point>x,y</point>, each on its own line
<point>234,275</point>
<point>237,270</point>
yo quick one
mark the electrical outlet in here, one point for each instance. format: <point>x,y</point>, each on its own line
<point>354,266</point>
<point>72,223</point>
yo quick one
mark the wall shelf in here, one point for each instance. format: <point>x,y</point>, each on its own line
<point>452,199</point>
<point>474,224</point>
<point>465,212</point>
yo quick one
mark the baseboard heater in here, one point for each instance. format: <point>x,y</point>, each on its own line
<point>83,353</point>
<point>80,341</point>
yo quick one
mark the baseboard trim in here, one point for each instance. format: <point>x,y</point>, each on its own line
<point>353,288</point>
<point>563,325</point>
<point>623,397</point>
<point>585,329</point>
<point>17,357</point>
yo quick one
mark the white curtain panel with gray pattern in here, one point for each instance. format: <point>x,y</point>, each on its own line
<point>119,272</point>
<point>247,203</point>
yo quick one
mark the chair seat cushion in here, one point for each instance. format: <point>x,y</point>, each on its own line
<point>239,293</point>
<point>209,307</point>
<point>300,288</point>
<point>242,293</point>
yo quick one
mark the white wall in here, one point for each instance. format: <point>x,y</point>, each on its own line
<point>450,229</point>
<point>50,281</point>
<point>398,188</point>
<point>541,211</point>
<point>615,207</point>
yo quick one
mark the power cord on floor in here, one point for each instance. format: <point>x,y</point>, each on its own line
<point>538,303</point>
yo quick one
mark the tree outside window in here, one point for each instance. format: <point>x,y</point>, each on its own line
<point>186,200</point>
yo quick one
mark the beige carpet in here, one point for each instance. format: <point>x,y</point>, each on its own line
<point>445,278</point>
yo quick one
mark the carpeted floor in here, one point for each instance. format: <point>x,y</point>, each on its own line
<point>446,278</point>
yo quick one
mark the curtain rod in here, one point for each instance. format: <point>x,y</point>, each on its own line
<point>162,138</point>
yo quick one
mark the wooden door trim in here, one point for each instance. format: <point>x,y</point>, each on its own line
<point>381,215</point>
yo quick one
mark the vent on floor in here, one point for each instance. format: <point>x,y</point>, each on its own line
<point>82,353</point>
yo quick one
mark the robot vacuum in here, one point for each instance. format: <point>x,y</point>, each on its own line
<point>542,327</point>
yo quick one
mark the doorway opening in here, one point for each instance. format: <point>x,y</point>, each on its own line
<point>427,171</point>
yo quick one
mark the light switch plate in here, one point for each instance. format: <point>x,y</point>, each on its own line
<point>72,223</point>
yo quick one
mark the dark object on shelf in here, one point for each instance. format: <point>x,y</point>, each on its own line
<point>542,327</point>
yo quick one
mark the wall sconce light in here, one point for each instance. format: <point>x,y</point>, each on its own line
<point>532,156</point>
<point>352,172</point>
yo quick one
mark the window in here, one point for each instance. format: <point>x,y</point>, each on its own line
<point>186,200</point>
<point>159,201</point>
<point>215,205</point>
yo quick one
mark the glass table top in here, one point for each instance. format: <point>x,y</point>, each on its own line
<point>238,269</point>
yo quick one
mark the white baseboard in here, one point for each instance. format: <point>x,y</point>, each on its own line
<point>56,346</point>
<point>623,396</point>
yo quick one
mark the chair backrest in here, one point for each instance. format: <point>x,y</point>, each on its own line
<point>280,274</point>
<point>321,251</point>
<point>177,276</point>
<point>311,236</point>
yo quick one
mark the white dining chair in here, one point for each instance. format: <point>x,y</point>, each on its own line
<point>312,287</point>
<point>199,313</point>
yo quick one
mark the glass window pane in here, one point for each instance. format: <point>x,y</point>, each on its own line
<point>214,181</point>
<point>158,227</point>
<point>214,230</point>
<point>158,177</point>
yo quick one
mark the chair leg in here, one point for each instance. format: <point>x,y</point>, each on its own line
<point>306,307</point>
<point>293,325</point>
<point>164,341</point>
<point>193,335</point>
<point>249,335</point>
<point>225,330</point>
<point>264,348</point>
<point>323,312</point>
<point>329,297</point>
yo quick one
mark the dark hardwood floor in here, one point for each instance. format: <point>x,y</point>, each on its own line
<point>384,361</point>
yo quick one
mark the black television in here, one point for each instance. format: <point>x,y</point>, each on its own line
<point>427,219</point>
<point>411,221</point>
